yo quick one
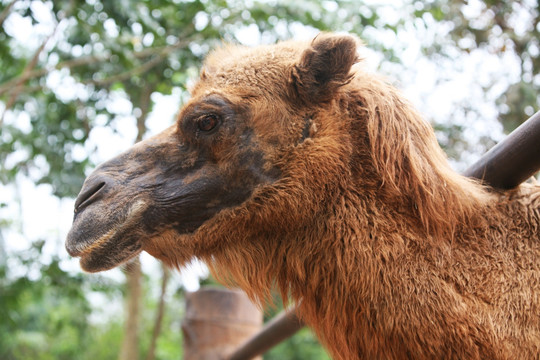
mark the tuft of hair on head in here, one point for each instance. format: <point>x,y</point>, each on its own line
<point>324,67</point>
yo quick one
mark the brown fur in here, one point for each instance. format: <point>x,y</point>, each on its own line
<point>353,212</point>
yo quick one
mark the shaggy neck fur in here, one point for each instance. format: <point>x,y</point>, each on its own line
<point>410,164</point>
<point>395,201</point>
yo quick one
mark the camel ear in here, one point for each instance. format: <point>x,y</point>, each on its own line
<point>324,67</point>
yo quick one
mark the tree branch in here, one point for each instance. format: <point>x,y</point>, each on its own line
<point>93,59</point>
<point>142,68</point>
<point>8,85</point>
<point>144,105</point>
<point>5,12</point>
<point>24,77</point>
<point>127,74</point>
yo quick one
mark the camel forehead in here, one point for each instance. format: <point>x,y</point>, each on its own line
<point>259,70</point>
<point>234,58</point>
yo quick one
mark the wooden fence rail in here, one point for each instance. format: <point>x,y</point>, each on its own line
<point>505,166</point>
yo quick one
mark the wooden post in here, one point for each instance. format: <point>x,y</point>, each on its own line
<point>217,321</point>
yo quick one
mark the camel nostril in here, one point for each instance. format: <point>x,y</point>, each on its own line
<point>89,195</point>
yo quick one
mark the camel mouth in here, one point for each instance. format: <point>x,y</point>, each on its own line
<point>110,250</point>
<point>105,247</point>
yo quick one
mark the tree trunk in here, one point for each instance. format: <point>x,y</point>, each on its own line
<point>159,315</point>
<point>130,344</point>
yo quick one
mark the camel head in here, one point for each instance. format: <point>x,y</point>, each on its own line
<point>241,154</point>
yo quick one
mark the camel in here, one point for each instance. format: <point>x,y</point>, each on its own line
<point>293,168</point>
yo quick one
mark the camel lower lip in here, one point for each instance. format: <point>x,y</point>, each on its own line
<point>81,249</point>
<point>75,249</point>
<point>106,252</point>
<point>74,253</point>
<point>78,253</point>
<point>95,261</point>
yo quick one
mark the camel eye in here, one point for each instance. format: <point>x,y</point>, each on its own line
<point>207,123</point>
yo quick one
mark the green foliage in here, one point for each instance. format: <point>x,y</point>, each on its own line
<point>45,312</point>
<point>500,27</point>
<point>303,345</point>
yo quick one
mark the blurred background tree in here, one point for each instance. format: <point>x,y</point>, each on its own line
<point>82,80</point>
